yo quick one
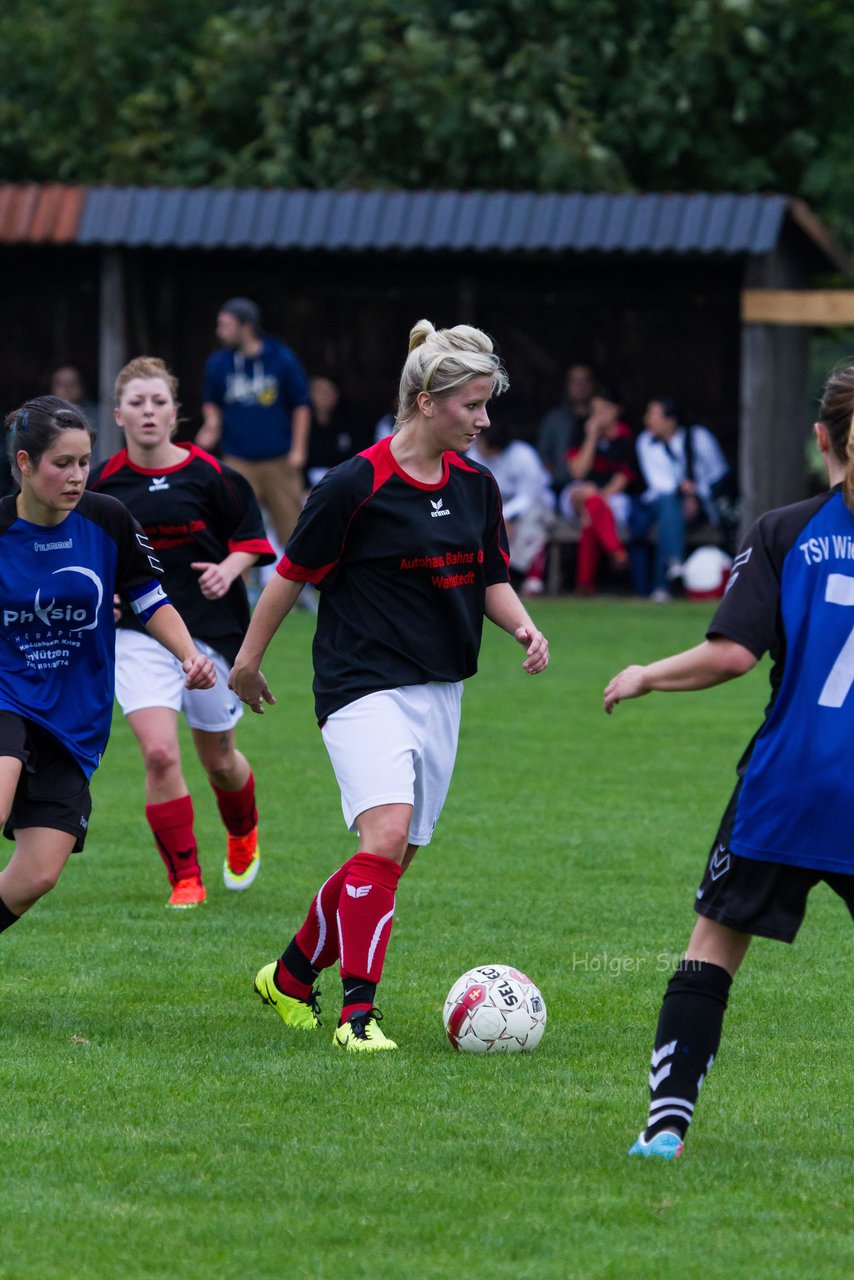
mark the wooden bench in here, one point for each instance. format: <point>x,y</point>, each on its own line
<point>565,533</point>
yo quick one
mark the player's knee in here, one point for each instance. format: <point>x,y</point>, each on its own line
<point>390,837</point>
<point>221,774</point>
<point>160,758</point>
<point>41,881</point>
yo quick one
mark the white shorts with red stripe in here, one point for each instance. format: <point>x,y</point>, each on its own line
<point>397,746</point>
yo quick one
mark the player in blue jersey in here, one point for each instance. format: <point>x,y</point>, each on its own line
<point>63,554</point>
<point>204,524</point>
<point>407,546</point>
<point>788,823</point>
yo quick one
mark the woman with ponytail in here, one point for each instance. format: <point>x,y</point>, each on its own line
<point>788,823</point>
<point>407,547</point>
<point>205,525</point>
<point>63,555</point>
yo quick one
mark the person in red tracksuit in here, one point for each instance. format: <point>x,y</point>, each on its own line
<point>604,474</point>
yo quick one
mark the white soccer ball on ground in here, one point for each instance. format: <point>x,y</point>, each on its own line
<point>494,1009</point>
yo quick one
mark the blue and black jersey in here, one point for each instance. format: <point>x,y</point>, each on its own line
<point>57,634</point>
<point>791,594</point>
<point>402,569</point>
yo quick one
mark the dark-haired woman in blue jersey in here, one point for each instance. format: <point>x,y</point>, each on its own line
<point>788,823</point>
<point>63,555</point>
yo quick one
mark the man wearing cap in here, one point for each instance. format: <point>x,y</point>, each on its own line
<point>256,408</point>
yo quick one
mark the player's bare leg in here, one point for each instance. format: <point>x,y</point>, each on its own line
<point>35,866</point>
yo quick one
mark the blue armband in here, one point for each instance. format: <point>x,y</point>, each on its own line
<point>147,599</point>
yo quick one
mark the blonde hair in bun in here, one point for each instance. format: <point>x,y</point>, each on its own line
<point>440,360</point>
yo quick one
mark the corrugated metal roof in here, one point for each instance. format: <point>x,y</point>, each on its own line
<point>476,221</point>
<point>431,221</point>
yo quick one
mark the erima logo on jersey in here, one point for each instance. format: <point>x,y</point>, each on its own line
<point>358,890</point>
<point>53,546</point>
<point>158,483</point>
<point>438,509</point>
<point>58,611</point>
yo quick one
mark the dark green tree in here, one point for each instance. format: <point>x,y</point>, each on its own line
<point>741,95</point>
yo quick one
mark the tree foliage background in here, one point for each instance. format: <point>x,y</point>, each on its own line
<point>737,95</point>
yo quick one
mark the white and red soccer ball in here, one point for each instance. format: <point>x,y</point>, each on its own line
<point>705,573</point>
<point>494,1009</point>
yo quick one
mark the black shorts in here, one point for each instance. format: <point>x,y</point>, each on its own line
<point>53,791</point>
<point>766,899</point>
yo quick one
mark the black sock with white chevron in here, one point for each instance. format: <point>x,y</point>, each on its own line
<point>686,1041</point>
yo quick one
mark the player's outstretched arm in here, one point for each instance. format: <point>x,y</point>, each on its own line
<point>710,663</point>
<point>167,626</point>
<point>246,679</point>
<point>505,609</point>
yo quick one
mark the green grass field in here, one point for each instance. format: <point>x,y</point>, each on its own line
<point>159,1122</point>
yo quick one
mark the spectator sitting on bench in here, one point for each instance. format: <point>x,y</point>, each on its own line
<point>563,426</point>
<point>680,466</point>
<point>526,497</point>
<point>598,497</point>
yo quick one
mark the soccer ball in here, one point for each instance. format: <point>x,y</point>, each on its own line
<point>494,1009</point>
<point>705,573</point>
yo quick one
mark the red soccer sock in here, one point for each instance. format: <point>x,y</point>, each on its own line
<point>604,525</point>
<point>587,560</point>
<point>315,945</point>
<point>318,937</point>
<point>365,916</point>
<point>172,826</point>
<point>237,808</point>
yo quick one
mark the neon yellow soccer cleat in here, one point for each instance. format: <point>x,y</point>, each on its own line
<point>304,1014</point>
<point>362,1034</point>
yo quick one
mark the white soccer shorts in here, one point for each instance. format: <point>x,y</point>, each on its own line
<point>397,746</point>
<point>147,675</point>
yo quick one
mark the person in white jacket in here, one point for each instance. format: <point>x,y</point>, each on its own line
<point>680,465</point>
<point>527,499</point>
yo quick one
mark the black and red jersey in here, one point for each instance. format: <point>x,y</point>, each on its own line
<point>614,456</point>
<point>402,568</point>
<point>195,511</point>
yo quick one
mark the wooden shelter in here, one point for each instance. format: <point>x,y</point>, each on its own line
<point>663,293</point>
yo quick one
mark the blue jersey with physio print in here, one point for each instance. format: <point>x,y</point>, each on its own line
<point>57,634</point>
<point>791,594</point>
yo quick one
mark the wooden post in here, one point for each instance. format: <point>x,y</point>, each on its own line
<point>112,347</point>
<point>774,405</point>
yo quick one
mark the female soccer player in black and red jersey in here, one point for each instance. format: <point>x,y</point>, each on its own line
<point>63,554</point>
<point>788,823</point>
<point>407,547</point>
<point>205,524</point>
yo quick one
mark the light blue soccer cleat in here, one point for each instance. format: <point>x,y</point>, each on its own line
<point>667,1146</point>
